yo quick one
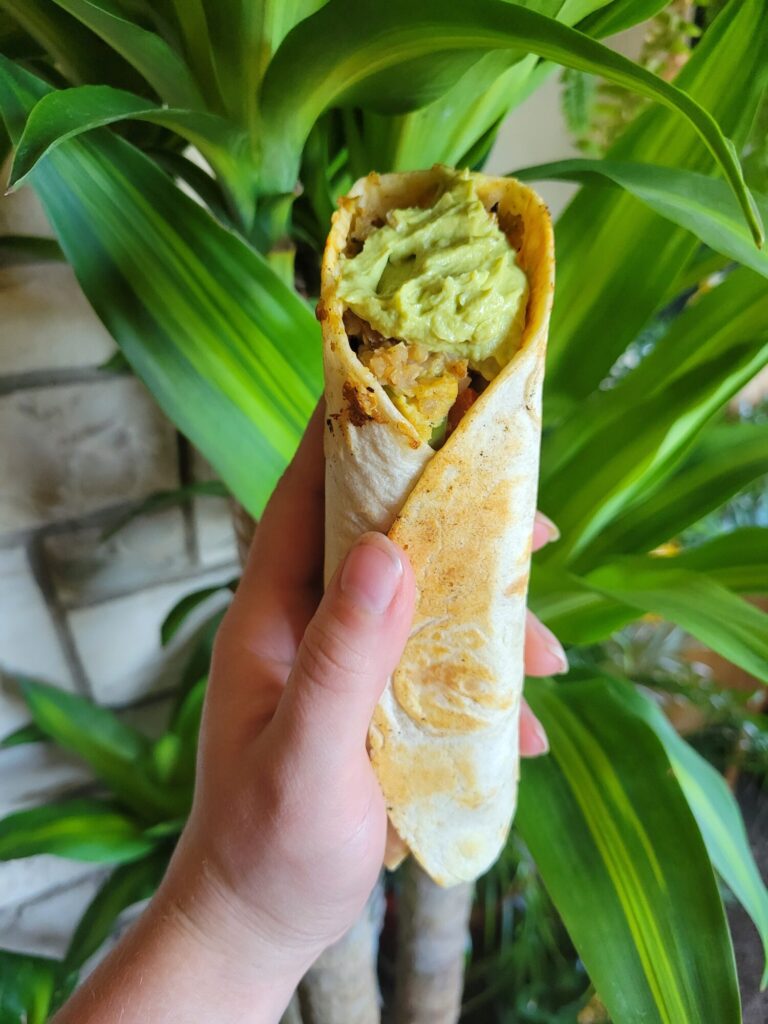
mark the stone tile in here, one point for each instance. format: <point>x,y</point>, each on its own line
<point>86,568</point>
<point>29,643</point>
<point>77,448</point>
<point>119,641</point>
<point>37,773</point>
<point>47,323</point>
<point>21,213</point>
<point>26,879</point>
<point>45,926</point>
<point>213,520</point>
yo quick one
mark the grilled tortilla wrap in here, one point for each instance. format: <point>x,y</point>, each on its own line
<point>444,736</point>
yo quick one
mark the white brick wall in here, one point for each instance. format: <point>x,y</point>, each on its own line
<point>78,448</point>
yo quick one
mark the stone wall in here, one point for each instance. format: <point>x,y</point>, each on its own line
<point>79,448</point>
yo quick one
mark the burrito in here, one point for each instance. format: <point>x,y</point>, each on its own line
<point>435,300</point>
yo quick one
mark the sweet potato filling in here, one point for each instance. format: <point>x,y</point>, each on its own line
<point>431,389</point>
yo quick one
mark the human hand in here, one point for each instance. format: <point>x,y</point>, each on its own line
<point>289,819</point>
<point>287,832</point>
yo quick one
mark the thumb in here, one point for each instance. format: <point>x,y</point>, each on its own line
<point>350,648</point>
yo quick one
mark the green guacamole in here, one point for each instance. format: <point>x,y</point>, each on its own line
<point>444,277</point>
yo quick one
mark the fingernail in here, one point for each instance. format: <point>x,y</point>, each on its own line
<point>552,645</point>
<point>540,739</point>
<point>546,523</point>
<point>372,573</point>
<point>533,738</point>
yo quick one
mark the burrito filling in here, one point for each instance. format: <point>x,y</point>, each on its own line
<point>435,305</point>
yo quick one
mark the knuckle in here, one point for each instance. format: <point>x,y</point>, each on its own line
<point>328,658</point>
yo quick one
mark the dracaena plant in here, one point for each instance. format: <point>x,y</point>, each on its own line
<point>287,103</point>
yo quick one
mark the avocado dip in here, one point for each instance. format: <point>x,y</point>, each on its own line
<point>444,277</point>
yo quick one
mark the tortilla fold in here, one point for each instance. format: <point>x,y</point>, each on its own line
<point>444,736</point>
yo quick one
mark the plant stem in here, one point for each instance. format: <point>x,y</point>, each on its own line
<point>433,936</point>
<point>342,986</point>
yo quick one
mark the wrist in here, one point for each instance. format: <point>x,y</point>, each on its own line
<point>238,943</point>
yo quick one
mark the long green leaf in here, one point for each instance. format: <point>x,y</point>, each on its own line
<point>706,609</point>
<point>79,724</point>
<point>572,609</point>
<point>231,354</point>
<point>728,458</point>
<point>127,885</point>
<point>624,861</point>
<point>31,987</point>
<point>162,67</point>
<point>611,246</point>
<point>715,809</point>
<point>450,129</point>
<point>447,129</point>
<point>23,735</point>
<point>242,36</point>
<point>160,500</point>
<point>181,611</point>
<point>70,112</point>
<point>620,15</point>
<point>87,830</point>
<point>16,250</point>
<point>737,560</point>
<point>713,327</point>
<point>621,443</point>
<point>95,734</point>
<point>704,206</point>
<point>338,54</point>
<point>78,53</point>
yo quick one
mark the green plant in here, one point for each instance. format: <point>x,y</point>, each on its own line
<point>200,297</point>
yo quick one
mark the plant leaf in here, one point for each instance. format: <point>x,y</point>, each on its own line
<point>87,830</point>
<point>162,67</point>
<point>715,809</point>
<point>95,734</point>
<point>623,442</point>
<point>737,560</point>
<point>242,36</point>
<point>571,609</point>
<point>623,859</point>
<point>160,500</point>
<point>338,55</point>
<point>63,115</point>
<point>727,458</point>
<point>31,987</point>
<point>231,354</point>
<point>25,734</point>
<point>706,609</point>
<point>77,52</point>
<point>609,245</point>
<point>178,615</point>
<point>16,250</point>
<point>704,206</point>
<point>127,885</point>
<point>619,15</point>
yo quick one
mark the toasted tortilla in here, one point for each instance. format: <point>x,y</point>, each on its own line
<point>444,736</point>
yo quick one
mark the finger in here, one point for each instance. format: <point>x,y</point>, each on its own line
<point>282,581</point>
<point>544,654</point>
<point>349,650</point>
<point>533,738</point>
<point>544,531</point>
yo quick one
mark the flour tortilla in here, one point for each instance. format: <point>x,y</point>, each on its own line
<point>444,737</point>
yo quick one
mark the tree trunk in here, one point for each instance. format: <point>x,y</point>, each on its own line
<point>292,1014</point>
<point>342,986</point>
<point>433,936</point>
